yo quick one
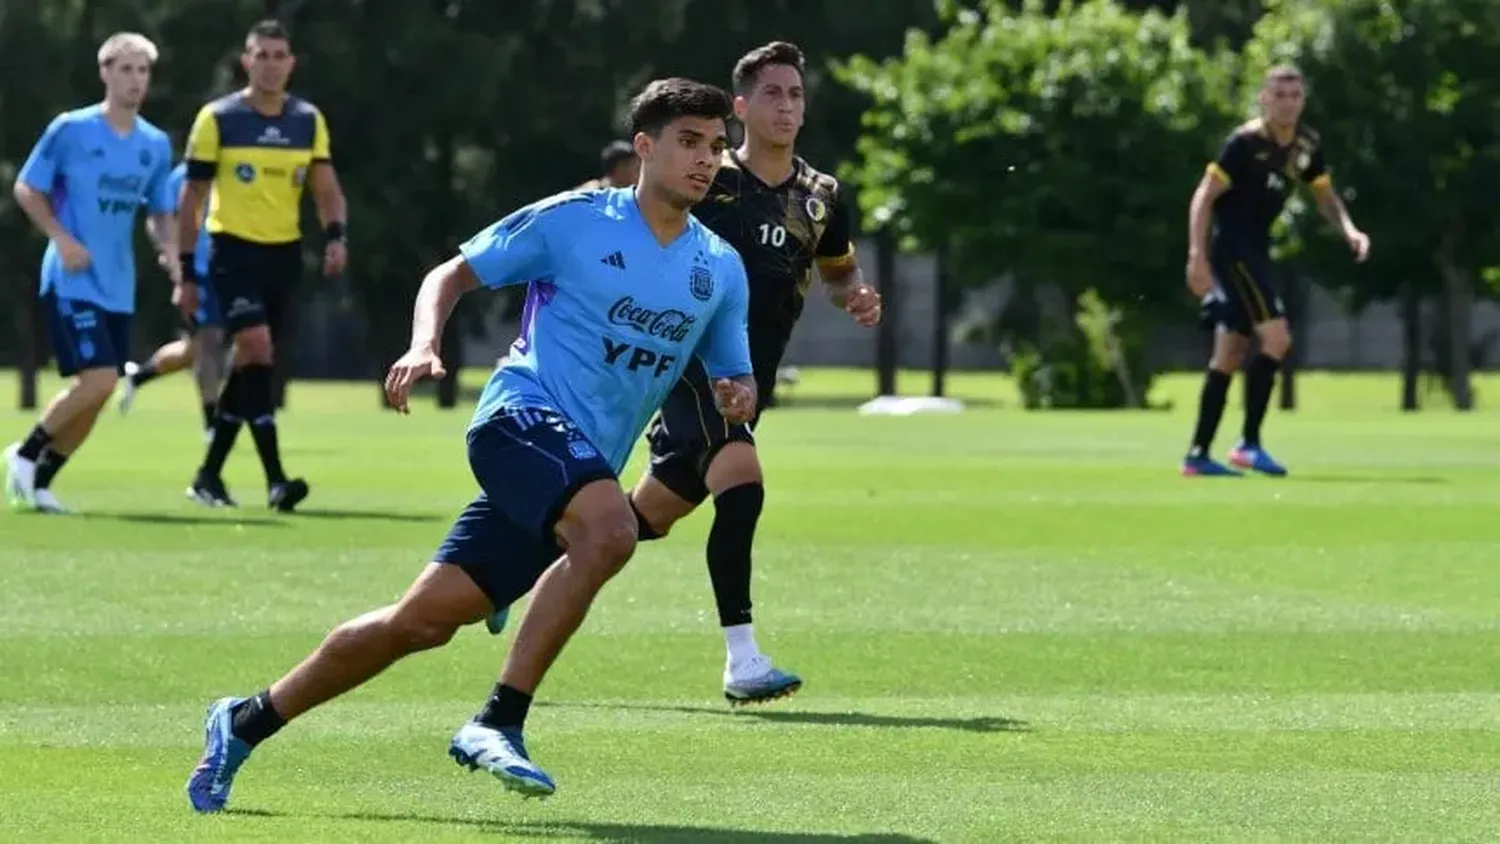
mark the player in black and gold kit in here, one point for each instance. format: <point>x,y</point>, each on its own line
<point>1244,191</point>
<point>784,218</point>
<point>253,152</point>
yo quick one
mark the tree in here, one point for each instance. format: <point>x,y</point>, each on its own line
<point>1059,149</point>
<point>1406,99</point>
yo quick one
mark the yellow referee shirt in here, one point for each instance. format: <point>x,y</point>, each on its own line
<point>258,165</point>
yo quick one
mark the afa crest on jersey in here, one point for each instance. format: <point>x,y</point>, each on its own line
<point>701,283</point>
<point>816,209</point>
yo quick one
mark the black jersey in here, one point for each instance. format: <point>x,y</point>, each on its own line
<point>1260,174</point>
<point>780,231</point>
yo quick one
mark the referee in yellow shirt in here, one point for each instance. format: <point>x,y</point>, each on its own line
<point>253,152</point>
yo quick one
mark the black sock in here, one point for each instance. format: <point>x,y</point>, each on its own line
<point>1259,381</point>
<point>1210,411</point>
<point>506,709</point>
<point>643,529</point>
<point>210,412</point>
<point>48,467</point>
<point>226,427</point>
<point>144,373</point>
<point>736,512</point>
<point>31,449</point>
<point>254,720</point>
<point>260,411</point>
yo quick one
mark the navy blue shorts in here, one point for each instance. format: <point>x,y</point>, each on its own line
<point>85,336</point>
<point>529,462</point>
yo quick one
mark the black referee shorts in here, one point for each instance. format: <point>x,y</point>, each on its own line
<point>253,282</point>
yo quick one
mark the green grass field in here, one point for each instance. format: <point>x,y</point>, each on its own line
<point>1014,627</point>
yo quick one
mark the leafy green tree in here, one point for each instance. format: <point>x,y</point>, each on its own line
<point>1059,149</point>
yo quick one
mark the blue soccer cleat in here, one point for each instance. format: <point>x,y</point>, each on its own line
<point>771,685</point>
<point>1206,467</point>
<point>1254,458</point>
<point>496,621</point>
<point>503,754</point>
<point>223,754</point>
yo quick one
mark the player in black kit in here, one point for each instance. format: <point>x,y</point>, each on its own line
<point>783,217</point>
<point>1243,191</point>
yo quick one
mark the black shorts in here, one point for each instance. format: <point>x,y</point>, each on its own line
<point>253,282</point>
<point>688,433</point>
<point>529,462</point>
<point>1245,292</point>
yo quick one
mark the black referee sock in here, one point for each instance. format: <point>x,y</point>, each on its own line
<point>226,427</point>
<point>1210,410</point>
<point>48,467</point>
<point>254,720</point>
<point>210,412</point>
<point>258,396</point>
<point>506,709</point>
<point>1259,381</point>
<point>736,512</point>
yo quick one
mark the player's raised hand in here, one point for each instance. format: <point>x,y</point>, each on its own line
<point>1200,277</point>
<point>335,257</point>
<point>863,303</point>
<point>416,364</point>
<point>73,254</point>
<point>1359,243</point>
<point>735,401</point>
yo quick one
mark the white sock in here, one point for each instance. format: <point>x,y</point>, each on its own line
<point>740,640</point>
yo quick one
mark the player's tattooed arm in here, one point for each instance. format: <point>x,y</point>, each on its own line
<point>1333,210</point>
<point>847,289</point>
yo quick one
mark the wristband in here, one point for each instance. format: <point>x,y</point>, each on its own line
<point>189,268</point>
<point>334,231</point>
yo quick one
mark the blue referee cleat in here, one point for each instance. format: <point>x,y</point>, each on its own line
<point>1207,467</point>
<point>503,754</point>
<point>1255,458</point>
<point>223,754</point>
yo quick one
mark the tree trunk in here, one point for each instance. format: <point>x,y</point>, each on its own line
<point>940,324</point>
<point>886,341</point>
<point>28,346</point>
<point>1296,302</point>
<point>453,361</point>
<point>1458,289</point>
<point>1411,347</point>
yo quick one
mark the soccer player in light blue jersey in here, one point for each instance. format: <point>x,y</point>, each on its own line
<point>82,185</point>
<point>202,343</point>
<point>623,289</point>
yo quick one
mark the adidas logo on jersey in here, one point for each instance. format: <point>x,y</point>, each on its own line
<point>614,259</point>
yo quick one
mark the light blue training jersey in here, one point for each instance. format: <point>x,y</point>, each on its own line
<point>205,245</point>
<point>611,316</point>
<point>97,180</point>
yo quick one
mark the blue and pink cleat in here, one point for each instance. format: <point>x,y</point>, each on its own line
<point>1253,458</point>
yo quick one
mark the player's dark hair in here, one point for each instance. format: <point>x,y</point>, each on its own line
<point>1283,73</point>
<point>665,100</point>
<point>614,153</point>
<point>269,28</point>
<point>747,69</point>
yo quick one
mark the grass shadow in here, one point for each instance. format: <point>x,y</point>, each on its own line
<point>1370,479</point>
<point>978,724</point>
<point>368,515</point>
<point>227,521</point>
<point>615,833</point>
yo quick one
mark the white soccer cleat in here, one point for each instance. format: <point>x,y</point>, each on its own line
<point>20,479</point>
<point>46,502</point>
<point>127,388</point>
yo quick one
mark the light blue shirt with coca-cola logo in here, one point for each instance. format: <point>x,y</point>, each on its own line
<point>611,316</point>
